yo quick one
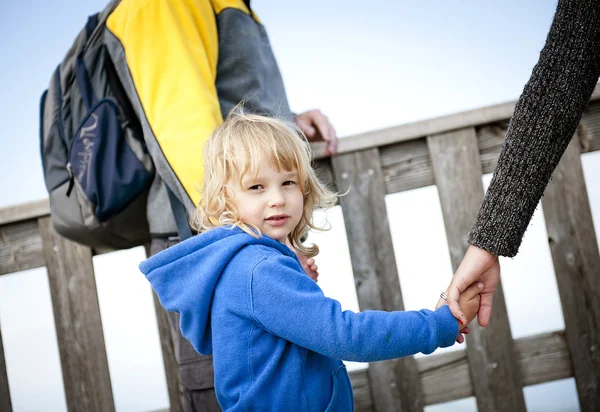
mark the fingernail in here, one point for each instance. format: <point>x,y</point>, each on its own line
<point>480,285</point>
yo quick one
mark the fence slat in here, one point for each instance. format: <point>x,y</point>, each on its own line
<point>24,211</point>
<point>457,169</point>
<point>395,384</point>
<point>169,360</point>
<point>541,358</point>
<point>574,249</point>
<point>20,247</point>
<point>5,404</point>
<point>78,324</point>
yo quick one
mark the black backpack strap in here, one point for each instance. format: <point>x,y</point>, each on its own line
<point>91,25</point>
<point>83,83</point>
<point>183,228</point>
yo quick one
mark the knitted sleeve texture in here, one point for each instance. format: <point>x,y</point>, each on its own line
<point>545,118</point>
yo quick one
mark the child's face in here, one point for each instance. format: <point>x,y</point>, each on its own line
<point>272,201</point>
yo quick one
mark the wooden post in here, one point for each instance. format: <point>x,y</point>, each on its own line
<point>395,385</point>
<point>5,404</point>
<point>457,169</point>
<point>574,249</point>
<point>168,352</point>
<point>170,362</point>
<point>78,323</point>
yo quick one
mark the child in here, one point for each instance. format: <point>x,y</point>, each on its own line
<point>277,341</point>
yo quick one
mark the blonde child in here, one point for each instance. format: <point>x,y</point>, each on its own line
<point>277,341</point>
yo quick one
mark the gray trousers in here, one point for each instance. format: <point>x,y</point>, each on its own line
<point>195,370</point>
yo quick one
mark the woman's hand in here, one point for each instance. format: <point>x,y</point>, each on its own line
<point>477,265</point>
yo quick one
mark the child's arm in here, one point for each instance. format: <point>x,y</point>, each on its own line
<point>289,304</point>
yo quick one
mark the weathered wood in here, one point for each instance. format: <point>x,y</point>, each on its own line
<point>541,358</point>
<point>457,170</point>
<point>394,384</point>
<point>20,247</point>
<point>419,129</point>
<point>589,128</point>
<point>362,391</point>
<point>406,166</point>
<point>78,323</point>
<point>5,404</point>
<point>168,353</point>
<point>445,377</point>
<point>574,249</point>
<point>410,131</point>
<point>25,211</point>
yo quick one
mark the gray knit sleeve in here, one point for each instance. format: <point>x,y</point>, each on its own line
<point>542,125</point>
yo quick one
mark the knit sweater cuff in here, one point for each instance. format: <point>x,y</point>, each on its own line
<point>503,218</point>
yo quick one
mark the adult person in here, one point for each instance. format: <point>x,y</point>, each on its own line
<point>185,65</point>
<point>545,118</point>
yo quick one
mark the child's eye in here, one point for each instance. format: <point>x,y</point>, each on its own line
<point>255,187</point>
<point>289,183</point>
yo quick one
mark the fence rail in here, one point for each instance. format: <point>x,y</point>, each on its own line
<point>451,152</point>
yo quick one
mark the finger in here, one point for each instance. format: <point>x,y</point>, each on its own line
<point>465,330</point>
<point>321,122</point>
<point>310,262</point>
<point>485,309</point>
<point>305,126</point>
<point>460,338</point>
<point>333,141</point>
<point>309,131</point>
<point>473,290</point>
<point>314,268</point>
<point>453,294</point>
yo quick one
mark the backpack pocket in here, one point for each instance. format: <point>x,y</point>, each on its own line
<point>108,171</point>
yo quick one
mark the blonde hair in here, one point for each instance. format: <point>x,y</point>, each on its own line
<point>235,149</point>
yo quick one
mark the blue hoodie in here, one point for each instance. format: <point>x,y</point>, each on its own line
<point>277,341</point>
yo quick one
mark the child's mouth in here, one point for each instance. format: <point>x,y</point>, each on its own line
<point>277,220</point>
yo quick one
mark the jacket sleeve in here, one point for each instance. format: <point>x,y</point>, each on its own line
<point>171,51</point>
<point>288,304</point>
<point>542,126</point>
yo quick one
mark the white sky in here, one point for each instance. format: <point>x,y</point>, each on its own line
<point>367,66</point>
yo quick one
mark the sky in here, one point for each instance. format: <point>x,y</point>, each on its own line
<point>366,66</point>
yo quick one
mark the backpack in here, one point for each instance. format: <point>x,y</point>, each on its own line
<point>96,166</point>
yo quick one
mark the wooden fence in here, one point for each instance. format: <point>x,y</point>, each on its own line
<point>451,152</point>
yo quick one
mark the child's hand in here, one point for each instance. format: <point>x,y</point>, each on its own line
<point>469,301</point>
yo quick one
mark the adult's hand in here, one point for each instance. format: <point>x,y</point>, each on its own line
<point>310,267</point>
<point>317,127</point>
<point>477,265</point>
<point>308,264</point>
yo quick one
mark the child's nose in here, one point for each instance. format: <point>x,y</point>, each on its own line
<point>276,198</point>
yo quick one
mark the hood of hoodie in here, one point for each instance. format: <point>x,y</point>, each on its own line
<point>185,275</point>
